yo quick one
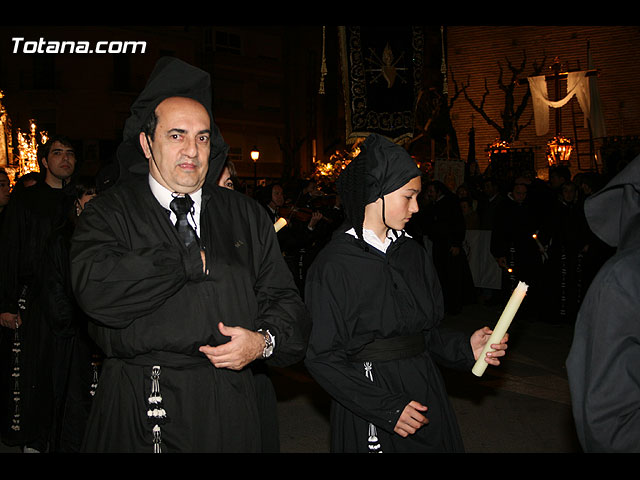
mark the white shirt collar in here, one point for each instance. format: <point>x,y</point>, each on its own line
<point>164,197</point>
<point>373,240</point>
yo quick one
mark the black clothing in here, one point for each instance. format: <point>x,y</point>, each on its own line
<point>443,223</point>
<point>512,238</point>
<point>31,215</point>
<point>488,209</point>
<point>602,365</point>
<point>75,357</point>
<point>153,306</point>
<point>357,296</point>
<point>376,335</point>
<point>566,233</point>
<point>182,206</point>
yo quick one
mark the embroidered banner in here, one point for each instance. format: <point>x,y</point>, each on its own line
<point>382,76</point>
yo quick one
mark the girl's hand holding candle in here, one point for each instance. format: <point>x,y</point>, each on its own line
<point>499,336</point>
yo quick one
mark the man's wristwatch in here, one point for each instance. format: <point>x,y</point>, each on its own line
<point>269,343</point>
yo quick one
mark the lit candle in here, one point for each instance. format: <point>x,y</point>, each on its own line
<point>279,224</point>
<point>501,327</point>
<point>543,252</point>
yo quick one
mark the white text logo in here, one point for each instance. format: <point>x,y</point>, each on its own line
<point>68,46</point>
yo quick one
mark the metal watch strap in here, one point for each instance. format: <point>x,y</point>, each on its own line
<point>269,343</point>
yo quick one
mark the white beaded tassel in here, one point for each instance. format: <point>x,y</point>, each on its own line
<point>15,374</point>
<point>156,413</point>
<point>374,444</point>
<point>94,379</point>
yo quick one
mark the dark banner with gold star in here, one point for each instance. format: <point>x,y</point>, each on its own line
<point>382,76</point>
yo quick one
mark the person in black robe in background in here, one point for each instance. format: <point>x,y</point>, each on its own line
<point>566,233</point>
<point>442,221</point>
<point>180,322</point>
<point>516,250</point>
<point>32,214</point>
<point>377,310</point>
<point>298,235</point>
<point>75,358</point>
<point>602,364</point>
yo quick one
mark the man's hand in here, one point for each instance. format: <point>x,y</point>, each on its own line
<point>411,419</point>
<point>204,261</point>
<point>244,347</point>
<point>10,320</point>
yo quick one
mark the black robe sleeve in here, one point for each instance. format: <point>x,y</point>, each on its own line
<point>115,284</point>
<point>57,293</point>
<point>281,310</point>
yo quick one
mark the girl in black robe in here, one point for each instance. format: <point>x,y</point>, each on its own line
<point>376,306</point>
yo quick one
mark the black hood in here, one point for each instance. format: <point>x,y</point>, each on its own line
<point>613,212</point>
<point>381,167</point>
<point>170,77</point>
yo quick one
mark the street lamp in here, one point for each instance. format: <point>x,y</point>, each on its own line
<point>559,150</point>
<point>255,155</point>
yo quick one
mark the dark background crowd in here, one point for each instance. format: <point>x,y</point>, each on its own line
<point>537,229</point>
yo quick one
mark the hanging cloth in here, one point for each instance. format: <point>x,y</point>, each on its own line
<point>596,115</point>
<point>577,84</point>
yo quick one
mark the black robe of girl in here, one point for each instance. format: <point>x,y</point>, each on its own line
<point>360,298</point>
<point>357,296</point>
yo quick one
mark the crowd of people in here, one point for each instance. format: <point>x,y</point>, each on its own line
<point>131,324</point>
<point>538,233</point>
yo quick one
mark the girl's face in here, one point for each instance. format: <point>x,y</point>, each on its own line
<point>399,206</point>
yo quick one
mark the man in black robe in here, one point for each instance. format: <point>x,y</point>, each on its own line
<point>602,365</point>
<point>515,248</point>
<point>180,323</point>
<point>31,215</point>
<point>445,227</point>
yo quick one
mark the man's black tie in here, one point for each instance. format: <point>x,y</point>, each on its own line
<point>181,206</point>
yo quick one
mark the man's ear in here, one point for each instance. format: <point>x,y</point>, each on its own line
<point>144,144</point>
<point>45,164</point>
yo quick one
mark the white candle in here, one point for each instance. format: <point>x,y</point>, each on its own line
<point>281,222</point>
<point>501,327</point>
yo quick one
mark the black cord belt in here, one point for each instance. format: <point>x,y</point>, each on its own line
<point>393,348</point>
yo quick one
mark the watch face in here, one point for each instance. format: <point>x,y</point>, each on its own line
<point>268,347</point>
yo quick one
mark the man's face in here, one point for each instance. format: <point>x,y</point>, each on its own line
<point>180,146</point>
<point>277,196</point>
<point>519,193</point>
<point>61,161</point>
<point>4,190</point>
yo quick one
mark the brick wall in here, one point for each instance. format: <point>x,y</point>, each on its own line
<point>473,53</point>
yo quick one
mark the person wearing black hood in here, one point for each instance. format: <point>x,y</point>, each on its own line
<point>377,307</point>
<point>31,215</point>
<point>602,365</point>
<point>180,322</point>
